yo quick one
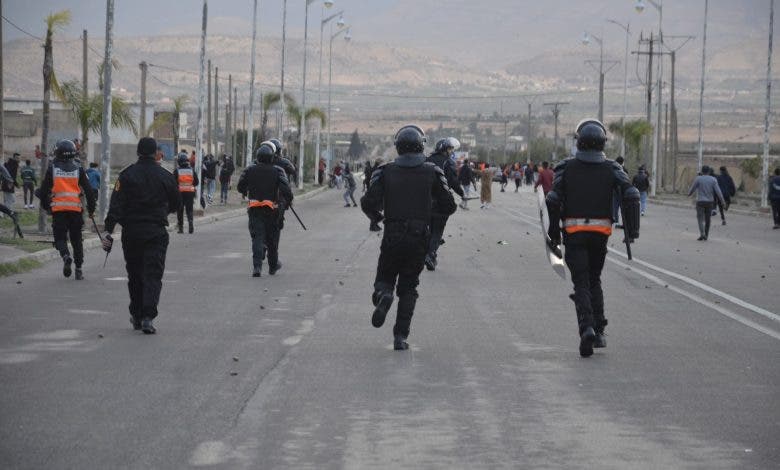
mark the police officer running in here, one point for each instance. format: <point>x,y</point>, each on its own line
<point>188,183</point>
<point>406,190</point>
<point>143,196</point>
<point>266,187</point>
<point>60,195</point>
<point>442,158</point>
<point>580,203</point>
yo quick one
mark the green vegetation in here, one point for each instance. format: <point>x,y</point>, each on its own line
<point>635,132</point>
<point>29,246</point>
<point>26,218</point>
<point>18,267</point>
<point>752,167</point>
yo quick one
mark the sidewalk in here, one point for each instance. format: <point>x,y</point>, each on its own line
<point>213,213</point>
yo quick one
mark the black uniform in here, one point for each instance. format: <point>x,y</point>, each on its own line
<point>267,188</point>
<point>143,196</point>
<point>187,196</point>
<point>582,198</point>
<point>439,217</point>
<point>406,189</point>
<point>67,223</point>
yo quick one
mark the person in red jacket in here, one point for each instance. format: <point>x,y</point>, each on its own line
<point>545,178</point>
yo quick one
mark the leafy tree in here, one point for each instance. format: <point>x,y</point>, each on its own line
<point>356,147</point>
<point>178,106</point>
<point>635,131</point>
<point>271,99</point>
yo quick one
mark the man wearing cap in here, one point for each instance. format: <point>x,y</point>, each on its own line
<point>143,196</point>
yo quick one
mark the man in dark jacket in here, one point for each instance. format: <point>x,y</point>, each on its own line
<point>405,190</point>
<point>774,197</point>
<point>9,187</point>
<point>143,196</point>
<point>225,174</point>
<point>60,193</point>
<point>466,180</point>
<point>210,176</point>
<point>642,183</point>
<point>728,189</point>
<point>442,158</point>
<point>266,187</point>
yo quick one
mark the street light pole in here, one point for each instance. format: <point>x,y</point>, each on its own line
<point>765,167</point>
<point>586,40</point>
<point>323,22</point>
<point>627,29</point>
<point>249,131</point>
<point>330,82</point>
<point>700,159</point>
<point>640,7</point>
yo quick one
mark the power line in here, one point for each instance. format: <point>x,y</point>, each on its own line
<point>22,30</point>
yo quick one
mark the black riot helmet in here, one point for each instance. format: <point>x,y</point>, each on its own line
<point>278,144</point>
<point>266,152</point>
<point>65,149</point>
<point>410,139</point>
<point>447,145</point>
<point>591,135</point>
<point>184,160</point>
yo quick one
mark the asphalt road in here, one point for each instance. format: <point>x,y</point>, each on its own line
<point>287,371</point>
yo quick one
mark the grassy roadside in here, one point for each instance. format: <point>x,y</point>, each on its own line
<point>24,244</point>
<point>18,267</point>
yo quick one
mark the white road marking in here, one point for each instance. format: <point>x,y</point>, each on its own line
<point>696,298</point>
<point>116,278</point>
<point>723,311</point>
<point>292,340</point>
<point>705,287</point>
<point>88,312</point>
<point>210,453</point>
<point>229,255</point>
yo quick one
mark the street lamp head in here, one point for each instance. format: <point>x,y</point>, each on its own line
<point>640,6</point>
<point>328,3</point>
<point>585,39</point>
<point>341,23</point>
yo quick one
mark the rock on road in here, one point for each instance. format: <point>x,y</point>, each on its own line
<point>287,371</point>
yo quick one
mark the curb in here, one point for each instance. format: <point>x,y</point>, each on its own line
<point>691,205</point>
<point>94,242</point>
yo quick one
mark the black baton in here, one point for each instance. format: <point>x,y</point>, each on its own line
<point>296,216</point>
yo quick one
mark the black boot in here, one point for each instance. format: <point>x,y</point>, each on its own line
<point>382,300</point>
<point>275,269</point>
<point>147,326</point>
<point>256,270</point>
<point>601,340</point>
<point>192,228</point>
<point>136,322</point>
<point>587,338</point>
<point>374,227</point>
<point>180,229</point>
<point>66,262</point>
<point>79,274</point>
<point>430,262</point>
<point>400,344</point>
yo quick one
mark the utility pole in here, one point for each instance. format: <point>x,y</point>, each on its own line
<point>228,119</point>
<point>600,70</point>
<point>105,135</point>
<point>246,135</point>
<point>556,112</point>
<point>201,98</point>
<point>143,66</point>
<point>216,110</point>
<point>528,143</point>
<point>234,114</point>
<point>665,155</point>
<point>208,111</point>
<point>250,131</point>
<point>765,167</point>
<point>282,102</point>
<point>84,91</point>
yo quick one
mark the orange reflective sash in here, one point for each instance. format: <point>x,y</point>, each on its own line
<point>185,180</point>
<point>65,191</point>
<point>264,203</point>
<point>602,226</point>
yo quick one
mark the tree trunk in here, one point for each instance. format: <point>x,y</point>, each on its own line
<point>176,133</point>
<point>48,68</point>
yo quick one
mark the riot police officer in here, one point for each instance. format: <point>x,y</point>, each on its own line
<point>188,182</point>
<point>406,190</point>
<point>143,196</point>
<point>442,158</point>
<point>266,187</point>
<point>282,161</point>
<point>60,194</point>
<point>580,205</point>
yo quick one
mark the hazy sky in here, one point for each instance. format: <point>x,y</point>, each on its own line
<point>467,29</point>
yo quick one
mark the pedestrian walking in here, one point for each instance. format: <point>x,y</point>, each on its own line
<point>29,181</point>
<point>9,186</point>
<point>5,177</point>
<point>545,179</point>
<point>529,174</point>
<point>707,189</point>
<point>486,185</point>
<point>580,205</point>
<point>143,196</point>
<point>321,171</point>
<point>60,193</point>
<point>728,189</point>
<point>266,186</point>
<point>466,180</point>
<point>187,181</point>
<point>517,174</point>
<point>405,190</point>
<point>210,176</point>
<point>442,158</point>
<point>642,183</point>
<point>227,168</point>
<point>774,197</point>
<point>350,185</point>
<point>93,175</point>
<point>337,174</point>
<point>504,177</point>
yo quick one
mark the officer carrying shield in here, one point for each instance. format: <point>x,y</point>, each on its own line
<point>60,194</point>
<point>442,158</point>
<point>266,187</point>
<point>406,190</point>
<point>580,205</point>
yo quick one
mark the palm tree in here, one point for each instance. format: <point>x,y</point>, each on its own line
<point>312,113</point>
<point>178,106</point>
<point>269,100</point>
<point>54,21</point>
<point>635,131</point>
